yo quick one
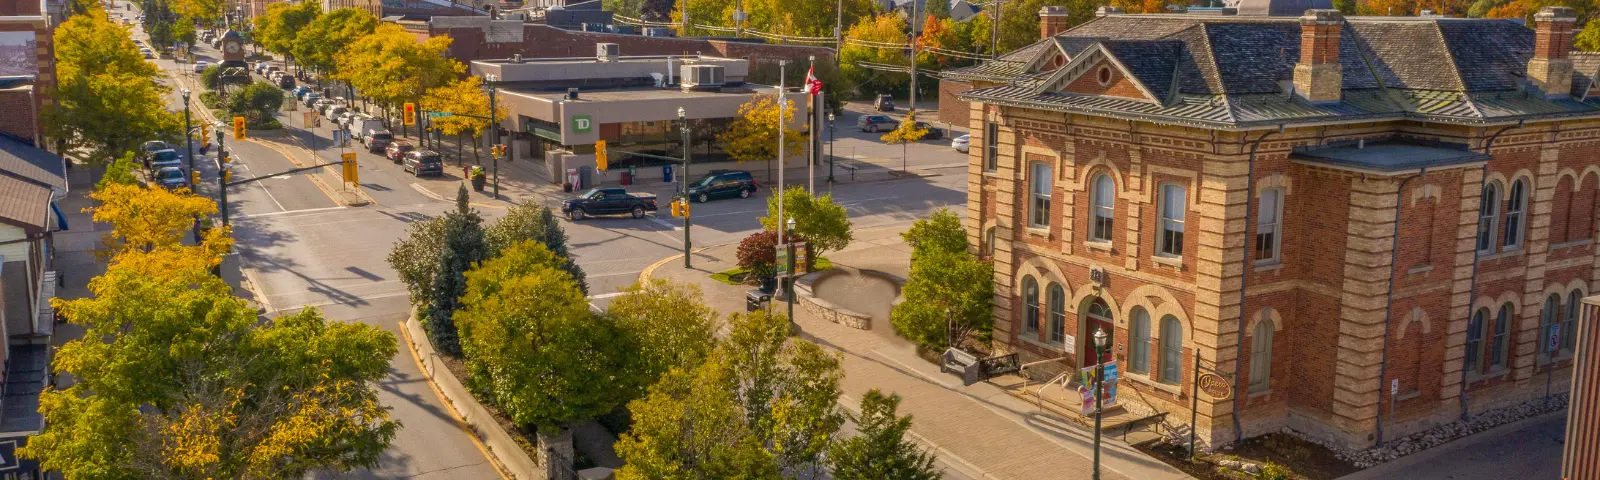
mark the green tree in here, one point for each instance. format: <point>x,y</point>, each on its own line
<point>941,232</point>
<point>529,221</point>
<point>789,391</point>
<point>691,427</point>
<point>671,323</point>
<point>888,29</point>
<point>753,135</point>
<point>277,29</point>
<point>183,31</point>
<point>1588,39</point>
<point>176,378</point>
<point>532,345</point>
<point>907,132</point>
<point>947,300</point>
<point>318,45</point>
<point>880,449</point>
<point>938,9</point>
<point>391,67</point>
<point>121,171</point>
<point>259,101</point>
<point>462,248</point>
<point>822,224</point>
<point>415,257</point>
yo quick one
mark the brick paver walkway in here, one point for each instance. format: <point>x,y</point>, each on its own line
<point>978,429</point>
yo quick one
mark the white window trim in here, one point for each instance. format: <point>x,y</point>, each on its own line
<point>991,146</point>
<point>1516,195</point>
<point>1163,221</point>
<point>1178,372</point>
<point>1034,196</point>
<point>1501,340</point>
<point>1098,211</point>
<point>1492,217</point>
<point>1478,354</point>
<point>1148,340</point>
<point>1050,318</point>
<point>1031,326</point>
<point>1275,226</point>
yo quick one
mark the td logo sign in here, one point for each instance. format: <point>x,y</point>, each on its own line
<point>582,123</point>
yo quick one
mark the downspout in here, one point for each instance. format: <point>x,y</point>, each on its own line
<point>1244,277</point>
<point>1472,295</point>
<point>1388,304</point>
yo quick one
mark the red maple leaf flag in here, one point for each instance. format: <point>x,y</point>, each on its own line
<point>813,86</point>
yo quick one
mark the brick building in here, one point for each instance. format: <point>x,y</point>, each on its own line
<point>1581,449</point>
<point>1373,225</point>
<point>480,37</point>
<point>27,64</point>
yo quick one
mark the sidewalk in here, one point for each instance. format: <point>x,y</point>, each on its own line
<point>978,429</point>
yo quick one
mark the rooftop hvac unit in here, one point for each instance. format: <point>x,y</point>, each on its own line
<point>659,32</point>
<point>606,52</point>
<point>516,58</point>
<point>702,77</point>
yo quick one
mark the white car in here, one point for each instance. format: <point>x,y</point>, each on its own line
<point>961,143</point>
<point>200,66</point>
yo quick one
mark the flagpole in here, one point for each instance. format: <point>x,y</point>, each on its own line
<point>811,163</point>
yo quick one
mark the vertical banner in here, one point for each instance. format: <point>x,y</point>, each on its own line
<point>1089,379</point>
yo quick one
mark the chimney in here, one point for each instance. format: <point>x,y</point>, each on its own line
<point>1550,69</point>
<point>1052,20</point>
<point>1107,10</point>
<point>1318,77</point>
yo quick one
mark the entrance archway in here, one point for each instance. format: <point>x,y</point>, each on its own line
<point>1094,314</point>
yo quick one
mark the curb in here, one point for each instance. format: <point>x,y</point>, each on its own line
<point>490,429</point>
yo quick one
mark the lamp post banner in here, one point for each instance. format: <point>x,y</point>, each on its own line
<point>1086,387</point>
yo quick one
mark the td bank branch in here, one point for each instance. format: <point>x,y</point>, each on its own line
<point>557,108</point>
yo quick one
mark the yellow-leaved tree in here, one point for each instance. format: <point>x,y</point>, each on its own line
<point>753,135</point>
<point>107,100</point>
<point>468,106</point>
<point>907,132</point>
<point>177,378</point>
<point>391,67</point>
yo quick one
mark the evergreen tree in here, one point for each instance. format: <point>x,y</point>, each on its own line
<point>464,247</point>
<point>880,450</point>
<point>555,239</point>
<point>938,9</point>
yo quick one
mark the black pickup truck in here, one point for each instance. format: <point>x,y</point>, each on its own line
<point>606,201</point>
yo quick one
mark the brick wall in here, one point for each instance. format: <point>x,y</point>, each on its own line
<point>21,118</point>
<point>543,41</point>
<point>951,109</point>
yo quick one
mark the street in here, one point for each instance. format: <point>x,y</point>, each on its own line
<point>301,248</point>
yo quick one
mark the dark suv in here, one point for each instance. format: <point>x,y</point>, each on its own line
<point>723,183</point>
<point>423,162</point>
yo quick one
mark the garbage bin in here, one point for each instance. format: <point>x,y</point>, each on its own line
<point>666,173</point>
<point>627,178</point>
<point>755,300</point>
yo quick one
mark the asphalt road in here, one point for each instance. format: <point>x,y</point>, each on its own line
<point>301,249</point>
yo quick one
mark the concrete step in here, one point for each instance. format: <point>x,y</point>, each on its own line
<point>1066,403</point>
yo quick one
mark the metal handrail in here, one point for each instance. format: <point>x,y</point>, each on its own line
<point>1023,370</point>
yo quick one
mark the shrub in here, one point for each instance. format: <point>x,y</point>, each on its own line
<point>758,253</point>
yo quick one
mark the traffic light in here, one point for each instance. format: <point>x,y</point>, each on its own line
<point>238,128</point>
<point>350,173</point>
<point>498,150</point>
<point>194,177</point>
<point>675,208</point>
<point>600,155</point>
<point>410,116</point>
<point>205,132</point>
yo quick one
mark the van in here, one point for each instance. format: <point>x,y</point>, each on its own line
<point>365,127</point>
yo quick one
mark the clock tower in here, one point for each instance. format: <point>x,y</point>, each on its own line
<point>232,49</point>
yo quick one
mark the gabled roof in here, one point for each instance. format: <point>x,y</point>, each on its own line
<point>1148,63</point>
<point>26,162</point>
<point>24,203</point>
<point>1240,69</point>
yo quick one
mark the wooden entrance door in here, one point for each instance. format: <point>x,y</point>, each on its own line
<point>1096,316</point>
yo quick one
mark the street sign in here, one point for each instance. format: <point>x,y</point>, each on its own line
<point>350,173</point>
<point>1552,342</point>
<point>1108,393</point>
<point>1216,386</point>
<point>799,257</point>
<point>600,160</point>
<point>440,114</point>
<point>783,263</point>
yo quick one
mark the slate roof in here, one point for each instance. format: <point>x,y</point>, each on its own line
<point>1234,71</point>
<point>23,202</point>
<point>30,163</point>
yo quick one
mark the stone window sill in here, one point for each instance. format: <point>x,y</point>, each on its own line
<point>1420,269</point>
<point>1032,339</point>
<point>1043,231</point>
<point>1403,396</point>
<point>1097,245</point>
<point>1574,243</point>
<point>1259,393</point>
<point>992,173</point>
<point>1170,261</point>
<point>1508,253</point>
<point>1146,380</point>
<point>1269,265</point>
<point>1494,372</point>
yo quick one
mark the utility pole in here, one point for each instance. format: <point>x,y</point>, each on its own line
<point>838,34</point>
<point>994,31</point>
<point>914,31</point>
<point>188,137</point>
<point>783,108</point>
<point>494,129</point>
<point>683,124</point>
<point>811,154</point>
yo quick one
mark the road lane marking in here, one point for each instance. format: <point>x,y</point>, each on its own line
<point>664,223</point>
<point>610,295</point>
<point>285,212</point>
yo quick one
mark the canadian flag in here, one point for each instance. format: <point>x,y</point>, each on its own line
<point>813,86</point>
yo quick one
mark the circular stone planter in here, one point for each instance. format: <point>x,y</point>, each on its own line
<point>849,296</point>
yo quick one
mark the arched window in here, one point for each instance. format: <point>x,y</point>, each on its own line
<point>1139,341</point>
<point>1058,313</point>
<point>1569,333</point>
<point>1475,327</point>
<point>1269,223</point>
<point>1550,322</point>
<point>988,242</point>
<point>1103,207</point>
<point>1261,356</point>
<point>1030,305</point>
<point>1499,350</point>
<point>1516,202</point>
<point>1488,209</point>
<point>1171,350</point>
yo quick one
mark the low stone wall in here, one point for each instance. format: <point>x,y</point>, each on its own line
<point>503,449</point>
<point>828,310</point>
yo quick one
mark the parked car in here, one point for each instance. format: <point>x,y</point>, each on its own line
<point>286,82</point>
<point>171,178</point>
<point>311,98</point>
<point>149,149</point>
<point>200,66</point>
<point>874,123</point>
<point>333,110</point>
<point>364,127</point>
<point>261,68</point>
<point>607,201</point>
<point>423,162</point>
<point>396,151</point>
<point>147,53</point>
<point>723,183</point>
<point>379,141</point>
<point>884,103</point>
<point>164,158</point>
<point>934,133</point>
<point>962,143</point>
<point>299,91</point>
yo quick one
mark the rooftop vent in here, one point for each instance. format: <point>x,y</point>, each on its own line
<point>516,58</point>
<point>606,52</point>
<point>572,94</point>
<point>702,77</point>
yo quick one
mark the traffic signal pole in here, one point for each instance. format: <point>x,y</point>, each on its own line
<point>684,125</point>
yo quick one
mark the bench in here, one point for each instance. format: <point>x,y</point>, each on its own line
<point>974,369</point>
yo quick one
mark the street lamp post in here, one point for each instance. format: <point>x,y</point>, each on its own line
<point>222,177</point>
<point>1101,343</point>
<point>188,138</point>
<point>788,293</point>
<point>683,125</point>
<point>494,129</point>
<point>830,152</point>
